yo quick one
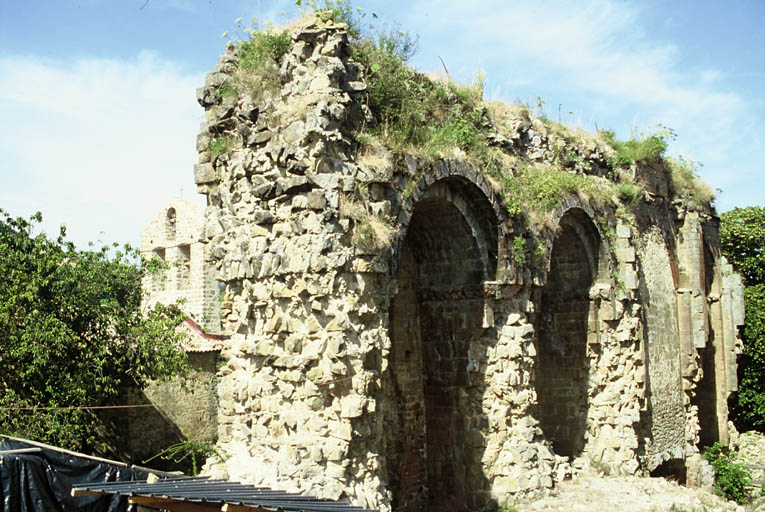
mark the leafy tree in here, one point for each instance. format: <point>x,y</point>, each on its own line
<point>742,234</point>
<point>72,334</point>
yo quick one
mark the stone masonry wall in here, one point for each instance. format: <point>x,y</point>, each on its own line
<point>440,371</point>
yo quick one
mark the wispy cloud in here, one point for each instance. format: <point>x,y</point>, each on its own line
<point>98,145</point>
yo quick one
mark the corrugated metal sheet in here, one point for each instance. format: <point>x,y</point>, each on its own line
<point>206,491</point>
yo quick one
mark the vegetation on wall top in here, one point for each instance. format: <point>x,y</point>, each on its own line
<point>432,116</point>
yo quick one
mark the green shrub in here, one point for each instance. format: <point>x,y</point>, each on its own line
<point>731,478</point>
<point>628,193</point>
<point>742,236</point>
<point>458,133</point>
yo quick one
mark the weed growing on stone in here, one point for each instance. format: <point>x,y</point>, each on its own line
<point>263,49</point>
<point>519,250</point>
<point>372,233</point>
<point>258,58</point>
<point>628,192</point>
<point>417,113</point>
<point>339,11</point>
<point>227,90</point>
<point>599,465</point>
<point>408,189</point>
<point>221,145</point>
<point>434,117</point>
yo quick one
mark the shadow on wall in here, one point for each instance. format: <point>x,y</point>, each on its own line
<point>135,435</point>
<point>181,411</point>
<point>563,370</point>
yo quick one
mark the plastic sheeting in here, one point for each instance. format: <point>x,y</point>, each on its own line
<point>42,481</point>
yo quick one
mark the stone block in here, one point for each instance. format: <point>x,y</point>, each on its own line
<point>352,406</point>
<point>204,174</point>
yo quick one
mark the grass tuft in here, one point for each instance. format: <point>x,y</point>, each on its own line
<point>221,145</point>
<point>258,62</point>
<point>635,150</point>
<point>685,182</point>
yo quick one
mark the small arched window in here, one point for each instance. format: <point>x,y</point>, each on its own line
<point>170,224</point>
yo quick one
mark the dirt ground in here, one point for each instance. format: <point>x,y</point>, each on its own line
<point>628,494</point>
<point>593,492</point>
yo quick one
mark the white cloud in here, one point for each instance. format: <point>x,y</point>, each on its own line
<point>98,145</point>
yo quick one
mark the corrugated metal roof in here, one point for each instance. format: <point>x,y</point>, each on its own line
<point>214,494</point>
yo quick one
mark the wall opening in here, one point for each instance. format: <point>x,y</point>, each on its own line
<point>706,398</point>
<point>672,469</point>
<point>563,363</point>
<point>184,267</point>
<point>433,318</point>
<point>159,279</point>
<point>170,224</point>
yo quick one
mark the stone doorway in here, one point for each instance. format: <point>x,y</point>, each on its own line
<point>433,318</point>
<point>563,363</point>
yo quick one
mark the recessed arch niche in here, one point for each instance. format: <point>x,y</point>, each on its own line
<point>448,251</point>
<point>577,262</point>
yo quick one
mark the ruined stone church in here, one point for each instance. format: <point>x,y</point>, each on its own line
<point>392,335</point>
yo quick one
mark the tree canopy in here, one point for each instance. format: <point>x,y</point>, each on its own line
<point>72,334</point>
<point>742,234</point>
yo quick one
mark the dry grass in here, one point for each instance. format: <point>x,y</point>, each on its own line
<point>371,233</point>
<point>686,184</point>
<point>374,155</point>
<point>297,107</point>
<point>382,233</point>
<point>349,208</point>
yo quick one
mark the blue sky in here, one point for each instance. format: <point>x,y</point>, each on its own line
<point>98,116</point>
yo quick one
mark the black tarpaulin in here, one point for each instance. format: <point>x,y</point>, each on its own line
<point>36,477</point>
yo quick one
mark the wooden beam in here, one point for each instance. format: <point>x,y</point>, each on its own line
<point>85,492</point>
<point>173,504</point>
